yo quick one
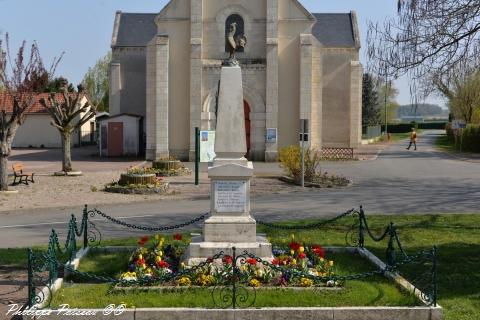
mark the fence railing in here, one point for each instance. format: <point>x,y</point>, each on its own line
<point>232,292</point>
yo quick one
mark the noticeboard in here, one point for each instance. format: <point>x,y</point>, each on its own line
<point>207,146</point>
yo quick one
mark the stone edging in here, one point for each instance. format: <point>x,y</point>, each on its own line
<point>314,185</point>
<point>346,313</point>
<point>335,313</point>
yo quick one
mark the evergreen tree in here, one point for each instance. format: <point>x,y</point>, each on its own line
<point>370,106</point>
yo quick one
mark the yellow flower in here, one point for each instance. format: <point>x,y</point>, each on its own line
<point>301,249</point>
<point>184,282</point>
<point>205,280</point>
<point>140,257</point>
<point>182,265</point>
<point>321,259</point>
<point>294,261</point>
<point>254,283</point>
<point>292,252</point>
<point>330,263</point>
<point>305,282</point>
<point>158,259</point>
<point>293,236</point>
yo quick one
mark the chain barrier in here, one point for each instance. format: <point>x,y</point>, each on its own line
<point>233,291</point>
<point>94,212</point>
<point>312,226</point>
<point>230,289</point>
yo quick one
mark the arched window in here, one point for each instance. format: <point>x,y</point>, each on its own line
<point>240,28</point>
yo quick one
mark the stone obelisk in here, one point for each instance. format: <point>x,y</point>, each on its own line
<point>230,224</point>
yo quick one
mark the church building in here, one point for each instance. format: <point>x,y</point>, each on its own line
<point>296,65</point>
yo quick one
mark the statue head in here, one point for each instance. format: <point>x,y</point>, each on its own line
<point>233,27</point>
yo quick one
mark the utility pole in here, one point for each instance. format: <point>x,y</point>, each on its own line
<point>386,99</point>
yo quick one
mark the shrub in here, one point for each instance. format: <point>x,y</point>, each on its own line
<point>290,161</point>
<point>471,138</point>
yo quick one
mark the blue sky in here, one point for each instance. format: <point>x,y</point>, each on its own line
<point>82,29</point>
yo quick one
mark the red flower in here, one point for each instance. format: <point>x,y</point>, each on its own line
<point>252,261</point>
<point>228,260</point>
<point>163,264</point>
<point>140,262</point>
<point>294,246</point>
<point>142,241</point>
<point>276,262</point>
<point>301,255</point>
<point>209,260</point>
<point>177,236</point>
<point>318,250</point>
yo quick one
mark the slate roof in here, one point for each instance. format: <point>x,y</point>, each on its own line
<point>135,29</point>
<point>335,30</point>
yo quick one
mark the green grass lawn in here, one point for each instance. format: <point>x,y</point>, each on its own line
<point>444,143</point>
<point>375,291</point>
<point>457,237</point>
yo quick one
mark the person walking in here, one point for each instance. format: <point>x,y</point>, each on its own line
<point>413,139</point>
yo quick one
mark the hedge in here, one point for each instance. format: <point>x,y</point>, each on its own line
<point>470,138</point>
<point>407,127</point>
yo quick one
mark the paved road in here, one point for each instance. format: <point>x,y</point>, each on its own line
<point>398,182</point>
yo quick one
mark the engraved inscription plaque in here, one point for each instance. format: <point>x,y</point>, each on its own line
<point>230,196</point>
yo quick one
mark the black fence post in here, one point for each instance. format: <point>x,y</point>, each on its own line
<point>391,255</point>
<point>31,286</point>
<point>434,276</point>
<point>361,228</point>
<point>85,227</point>
<point>234,279</point>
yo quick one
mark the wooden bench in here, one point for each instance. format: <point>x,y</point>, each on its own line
<point>23,177</point>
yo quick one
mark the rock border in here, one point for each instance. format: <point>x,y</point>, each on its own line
<point>140,191</point>
<point>313,184</point>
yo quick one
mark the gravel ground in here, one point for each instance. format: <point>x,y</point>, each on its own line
<point>49,191</point>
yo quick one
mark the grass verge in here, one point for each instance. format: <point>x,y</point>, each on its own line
<point>457,237</point>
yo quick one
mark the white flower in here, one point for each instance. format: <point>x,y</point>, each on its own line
<point>330,283</point>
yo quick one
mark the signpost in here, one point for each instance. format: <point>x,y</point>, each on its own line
<point>303,138</point>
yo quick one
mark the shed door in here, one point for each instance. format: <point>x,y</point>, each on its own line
<point>115,139</point>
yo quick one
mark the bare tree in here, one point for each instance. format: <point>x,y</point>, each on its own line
<point>425,40</point>
<point>21,78</point>
<point>68,113</point>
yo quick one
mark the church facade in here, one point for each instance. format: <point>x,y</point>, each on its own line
<point>296,65</point>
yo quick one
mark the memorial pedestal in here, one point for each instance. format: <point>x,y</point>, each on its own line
<point>230,224</point>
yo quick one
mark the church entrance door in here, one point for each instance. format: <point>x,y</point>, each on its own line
<point>246,110</point>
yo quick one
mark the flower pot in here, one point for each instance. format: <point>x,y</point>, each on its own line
<point>142,179</point>
<point>167,165</point>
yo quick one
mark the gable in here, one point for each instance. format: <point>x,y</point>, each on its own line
<point>293,10</point>
<point>174,10</point>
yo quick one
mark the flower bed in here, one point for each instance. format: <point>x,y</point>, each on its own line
<point>138,181</point>
<point>323,180</point>
<point>299,265</point>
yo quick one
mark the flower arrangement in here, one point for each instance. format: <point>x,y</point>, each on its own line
<point>154,261</point>
<point>296,265</point>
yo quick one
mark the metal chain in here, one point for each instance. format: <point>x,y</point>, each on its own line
<point>309,226</point>
<point>145,228</point>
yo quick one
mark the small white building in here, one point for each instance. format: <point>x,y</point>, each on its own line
<point>120,135</point>
<point>37,132</point>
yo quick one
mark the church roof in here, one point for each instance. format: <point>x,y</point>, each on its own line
<point>336,30</point>
<point>333,30</point>
<point>133,29</point>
